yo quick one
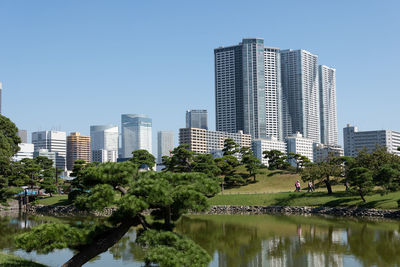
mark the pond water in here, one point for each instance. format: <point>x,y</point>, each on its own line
<point>247,240</point>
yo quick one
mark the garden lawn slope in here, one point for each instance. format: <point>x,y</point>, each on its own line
<point>274,182</point>
<point>337,199</point>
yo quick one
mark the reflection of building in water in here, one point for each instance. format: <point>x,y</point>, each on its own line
<point>274,260</point>
<point>325,259</point>
<point>281,252</point>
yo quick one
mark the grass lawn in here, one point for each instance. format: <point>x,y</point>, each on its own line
<point>58,200</point>
<point>11,260</point>
<point>337,199</point>
<point>274,182</point>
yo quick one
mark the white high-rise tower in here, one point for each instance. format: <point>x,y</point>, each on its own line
<point>300,94</point>
<point>165,144</point>
<point>104,143</point>
<point>327,100</point>
<point>273,92</point>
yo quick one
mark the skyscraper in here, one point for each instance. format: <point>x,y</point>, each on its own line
<point>197,119</point>
<point>165,144</point>
<point>268,92</point>
<point>248,89</point>
<point>240,88</point>
<point>273,92</point>
<point>300,94</point>
<point>104,143</point>
<point>23,134</point>
<point>327,102</point>
<point>78,148</point>
<point>136,133</point>
<point>53,141</point>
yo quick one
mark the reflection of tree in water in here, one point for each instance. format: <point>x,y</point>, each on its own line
<point>236,243</point>
<point>19,223</point>
<point>374,248</point>
<point>10,226</point>
<point>371,247</point>
<point>127,249</point>
<point>320,242</point>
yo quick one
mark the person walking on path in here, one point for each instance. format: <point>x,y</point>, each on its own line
<point>310,187</point>
<point>297,185</point>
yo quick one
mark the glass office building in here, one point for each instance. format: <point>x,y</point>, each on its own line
<point>197,119</point>
<point>136,134</point>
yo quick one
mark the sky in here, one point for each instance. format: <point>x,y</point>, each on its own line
<point>66,65</point>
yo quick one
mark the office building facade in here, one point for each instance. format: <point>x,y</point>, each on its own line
<point>196,118</point>
<point>300,94</point>
<point>298,144</point>
<point>104,143</point>
<point>25,151</point>
<point>268,144</point>
<point>240,94</point>
<point>165,144</point>
<point>355,140</point>
<point>46,153</point>
<point>102,155</point>
<point>23,134</point>
<point>322,152</point>
<point>202,141</point>
<point>78,148</point>
<point>53,141</point>
<point>327,100</point>
<point>136,134</point>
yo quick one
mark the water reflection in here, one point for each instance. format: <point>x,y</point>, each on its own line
<point>295,240</point>
<point>236,240</point>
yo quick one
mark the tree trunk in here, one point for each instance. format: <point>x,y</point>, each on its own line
<point>254,176</point>
<point>328,185</point>
<point>346,184</point>
<point>102,244</point>
<point>362,196</point>
<point>222,187</point>
<point>121,189</point>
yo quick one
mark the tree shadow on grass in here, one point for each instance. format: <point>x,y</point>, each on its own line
<point>375,203</point>
<point>60,202</point>
<point>275,173</point>
<point>63,202</point>
<point>290,199</point>
<point>342,202</point>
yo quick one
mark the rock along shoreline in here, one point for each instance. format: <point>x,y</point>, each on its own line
<point>230,209</point>
<point>288,210</point>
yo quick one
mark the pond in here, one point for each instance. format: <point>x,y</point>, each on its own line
<point>246,240</point>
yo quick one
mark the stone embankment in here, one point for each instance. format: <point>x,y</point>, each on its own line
<point>339,212</point>
<point>11,205</point>
<point>246,210</point>
<point>65,211</point>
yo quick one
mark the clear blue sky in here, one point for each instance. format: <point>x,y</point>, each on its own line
<point>67,65</point>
